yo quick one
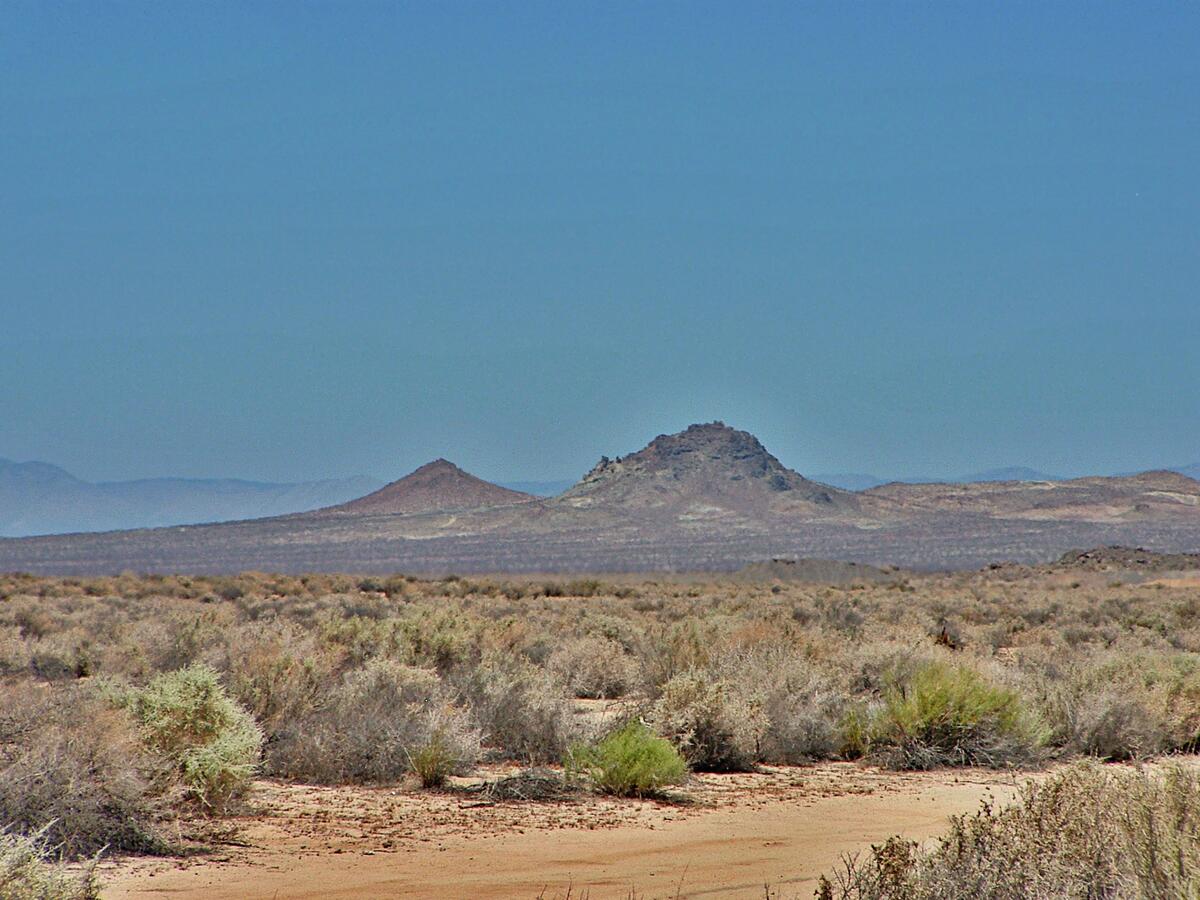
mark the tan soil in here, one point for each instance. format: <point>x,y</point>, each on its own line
<point>1183,581</point>
<point>736,836</point>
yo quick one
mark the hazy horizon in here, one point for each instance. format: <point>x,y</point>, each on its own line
<point>545,480</point>
<point>282,243</point>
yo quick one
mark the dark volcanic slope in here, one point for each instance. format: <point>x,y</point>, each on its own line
<point>439,486</point>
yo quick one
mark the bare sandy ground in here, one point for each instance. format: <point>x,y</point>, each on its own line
<point>750,835</point>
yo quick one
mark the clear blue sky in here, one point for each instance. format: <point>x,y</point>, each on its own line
<point>289,241</point>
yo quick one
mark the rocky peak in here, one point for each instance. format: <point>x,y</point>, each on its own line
<point>439,466</point>
<point>714,440</point>
<point>705,462</point>
<point>700,450</point>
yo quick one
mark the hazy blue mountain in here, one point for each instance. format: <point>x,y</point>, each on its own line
<point>849,481</point>
<point>1009,473</point>
<point>39,498</point>
<point>861,481</point>
<point>538,488</point>
<point>858,481</point>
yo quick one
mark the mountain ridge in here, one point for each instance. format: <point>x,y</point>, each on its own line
<point>861,481</point>
<point>707,498</point>
<point>41,498</point>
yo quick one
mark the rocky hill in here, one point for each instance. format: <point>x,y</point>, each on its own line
<point>439,486</point>
<point>705,471</point>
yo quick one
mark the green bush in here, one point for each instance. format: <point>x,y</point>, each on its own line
<point>950,715</point>
<point>854,734</point>
<point>630,762</point>
<point>28,872</point>
<point>187,716</point>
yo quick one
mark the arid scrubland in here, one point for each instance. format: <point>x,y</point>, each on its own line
<point>135,711</point>
<point>1085,832</point>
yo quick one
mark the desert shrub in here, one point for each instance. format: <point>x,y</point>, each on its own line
<point>950,715</point>
<point>665,652</point>
<point>630,762</point>
<point>1087,832</point>
<point>383,721</point>
<point>521,708</point>
<point>432,763</point>
<point>276,672</point>
<point>1122,705</point>
<point>14,650</point>
<point>442,640</point>
<point>715,726</point>
<point>873,668</point>
<point>450,745</point>
<point>187,637</point>
<point>594,667</point>
<point>1109,723</point>
<point>854,732</point>
<point>73,769</point>
<point>362,638</point>
<point>187,716</point>
<point>28,871</point>
<point>804,710</point>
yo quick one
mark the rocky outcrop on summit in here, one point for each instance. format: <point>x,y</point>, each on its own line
<point>705,470</point>
<point>439,486</point>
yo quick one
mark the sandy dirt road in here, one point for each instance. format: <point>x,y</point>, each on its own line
<point>740,836</point>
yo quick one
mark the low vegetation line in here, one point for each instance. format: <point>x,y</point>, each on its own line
<point>135,711</point>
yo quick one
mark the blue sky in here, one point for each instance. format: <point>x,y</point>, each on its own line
<point>288,241</point>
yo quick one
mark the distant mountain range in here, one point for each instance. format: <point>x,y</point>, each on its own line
<point>707,498</point>
<point>859,481</point>
<point>38,498</point>
<point>539,488</point>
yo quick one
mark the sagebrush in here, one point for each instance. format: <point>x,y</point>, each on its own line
<point>1085,833</point>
